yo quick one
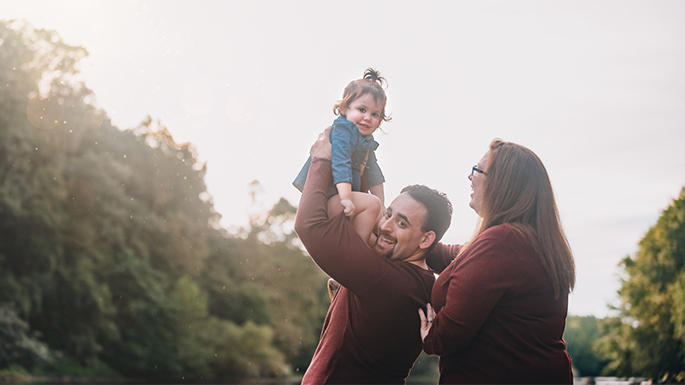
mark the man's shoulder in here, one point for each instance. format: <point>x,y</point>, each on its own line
<point>402,274</point>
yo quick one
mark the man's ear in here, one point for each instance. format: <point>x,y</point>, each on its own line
<point>427,240</point>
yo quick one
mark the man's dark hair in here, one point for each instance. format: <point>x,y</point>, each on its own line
<point>439,210</point>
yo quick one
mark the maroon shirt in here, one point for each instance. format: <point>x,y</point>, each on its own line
<point>371,333</point>
<point>497,320</point>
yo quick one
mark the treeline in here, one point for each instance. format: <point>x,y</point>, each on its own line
<point>645,336</point>
<point>112,260</point>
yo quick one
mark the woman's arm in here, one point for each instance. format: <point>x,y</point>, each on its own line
<point>479,280</point>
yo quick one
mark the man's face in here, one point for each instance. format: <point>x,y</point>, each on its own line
<point>400,236</point>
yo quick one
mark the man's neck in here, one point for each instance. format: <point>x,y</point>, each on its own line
<point>421,263</point>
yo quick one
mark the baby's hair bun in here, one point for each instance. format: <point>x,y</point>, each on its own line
<point>374,76</point>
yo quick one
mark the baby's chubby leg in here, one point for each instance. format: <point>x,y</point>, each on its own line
<point>366,216</point>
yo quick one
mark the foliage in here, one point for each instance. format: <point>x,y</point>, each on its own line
<point>580,335</point>
<point>18,348</point>
<point>425,369</point>
<point>648,337</point>
<point>14,371</point>
<point>110,248</point>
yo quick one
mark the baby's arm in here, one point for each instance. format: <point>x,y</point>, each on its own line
<point>345,193</point>
<point>341,162</point>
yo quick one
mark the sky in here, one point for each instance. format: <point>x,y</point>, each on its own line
<point>595,88</point>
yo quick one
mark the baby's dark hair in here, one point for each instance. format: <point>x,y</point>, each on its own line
<point>372,83</point>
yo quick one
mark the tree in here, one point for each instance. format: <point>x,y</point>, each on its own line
<point>648,337</point>
<point>17,345</point>
<point>294,287</point>
<point>110,248</point>
<point>580,335</point>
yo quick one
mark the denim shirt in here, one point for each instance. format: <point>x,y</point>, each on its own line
<point>348,151</point>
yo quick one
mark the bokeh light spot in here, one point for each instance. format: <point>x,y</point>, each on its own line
<point>44,113</point>
<point>93,118</point>
<point>14,81</point>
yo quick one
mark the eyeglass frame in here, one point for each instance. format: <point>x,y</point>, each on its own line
<point>476,169</point>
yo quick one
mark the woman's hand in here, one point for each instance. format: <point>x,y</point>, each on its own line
<point>426,322</point>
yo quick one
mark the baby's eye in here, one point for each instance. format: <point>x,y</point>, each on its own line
<point>362,109</point>
<point>375,115</point>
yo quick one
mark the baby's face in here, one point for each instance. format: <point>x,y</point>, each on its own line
<point>365,113</point>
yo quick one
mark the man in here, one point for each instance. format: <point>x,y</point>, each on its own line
<point>371,333</point>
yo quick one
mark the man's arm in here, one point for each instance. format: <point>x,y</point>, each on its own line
<point>333,243</point>
<point>441,256</point>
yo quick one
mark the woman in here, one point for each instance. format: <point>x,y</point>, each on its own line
<point>501,304</point>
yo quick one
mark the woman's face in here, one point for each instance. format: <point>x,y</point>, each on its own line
<point>478,183</point>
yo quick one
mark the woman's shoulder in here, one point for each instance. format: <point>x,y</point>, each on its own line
<point>497,232</point>
<point>504,234</point>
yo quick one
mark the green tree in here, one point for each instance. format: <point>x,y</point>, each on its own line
<point>17,346</point>
<point>648,337</point>
<point>581,334</point>
<point>110,248</point>
<point>294,287</point>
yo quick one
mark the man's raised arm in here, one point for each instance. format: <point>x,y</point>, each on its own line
<point>332,243</point>
<point>313,209</point>
<point>312,213</point>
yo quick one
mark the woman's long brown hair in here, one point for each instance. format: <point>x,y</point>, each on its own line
<point>518,193</point>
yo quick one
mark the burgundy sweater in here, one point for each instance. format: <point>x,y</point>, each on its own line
<point>371,332</point>
<point>497,320</point>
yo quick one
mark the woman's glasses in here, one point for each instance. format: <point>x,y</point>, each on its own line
<point>475,169</point>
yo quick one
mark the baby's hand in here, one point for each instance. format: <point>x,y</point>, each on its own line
<point>348,207</point>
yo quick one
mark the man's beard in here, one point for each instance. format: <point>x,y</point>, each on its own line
<point>387,253</point>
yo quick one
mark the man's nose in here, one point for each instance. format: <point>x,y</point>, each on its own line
<point>384,225</point>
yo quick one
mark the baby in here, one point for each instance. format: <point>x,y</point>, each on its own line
<point>355,170</point>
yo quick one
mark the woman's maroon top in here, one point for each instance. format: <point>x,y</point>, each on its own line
<point>497,319</point>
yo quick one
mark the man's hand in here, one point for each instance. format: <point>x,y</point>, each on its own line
<point>322,147</point>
